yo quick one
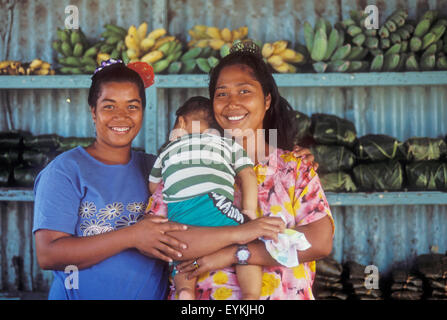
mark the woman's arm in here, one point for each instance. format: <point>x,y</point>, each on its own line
<point>318,233</point>
<point>55,250</point>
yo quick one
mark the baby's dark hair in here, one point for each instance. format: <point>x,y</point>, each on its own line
<point>198,108</point>
<point>115,73</point>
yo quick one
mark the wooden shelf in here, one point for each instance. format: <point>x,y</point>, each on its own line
<point>334,199</point>
<point>366,79</point>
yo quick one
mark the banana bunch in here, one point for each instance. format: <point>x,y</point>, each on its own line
<point>427,44</point>
<point>112,45</point>
<point>76,55</point>
<point>155,48</point>
<point>328,50</point>
<point>281,58</point>
<point>35,67</point>
<point>215,38</point>
<point>195,60</point>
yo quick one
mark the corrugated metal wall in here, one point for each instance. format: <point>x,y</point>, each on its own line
<point>386,236</point>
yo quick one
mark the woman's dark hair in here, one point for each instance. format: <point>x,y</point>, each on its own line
<point>115,73</point>
<point>198,106</point>
<point>278,116</point>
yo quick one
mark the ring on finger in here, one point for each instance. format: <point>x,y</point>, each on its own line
<point>195,264</point>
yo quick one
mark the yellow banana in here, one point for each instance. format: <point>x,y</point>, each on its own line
<point>45,65</point>
<point>42,72</point>
<point>193,34</point>
<point>213,32</point>
<point>216,44</point>
<point>279,46</point>
<point>202,43</point>
<point>288,54</point>
<point>291,68</point>
<point>275,61</point>
<point>102,57</point>
<point>299,57</point>
<point>243,31</point>
<point>192,43</point>
<point>225,34</point>
<point>161,41</point>
<point>5,64</point>
<point>146,44</point>
<point>35,64</point>
<point>132,31</point>
<point>236,35</point>
<point>267,50</point>
<point>142,30</point>
<point>152,56</point>
<point>200,31</point>
<point>157,33</point>
<point>282,68</point>
<point>132,54</point>
<point>131,42</point>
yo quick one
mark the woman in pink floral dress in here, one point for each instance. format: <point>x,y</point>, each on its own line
<point>246,99</point>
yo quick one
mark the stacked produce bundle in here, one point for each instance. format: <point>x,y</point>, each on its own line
<point>17,68</point>
<point>76,55</point>
<point>334,139</point>
<point>11,146</point>
<point>379,168</point>
<point>112,46</point>
<point>330,52</point>
<point>281,58</point>
<point>354,279</point>
<point>155,48</point>
<point>406,285</point>
<point>426,168</point>
<point>328,284</point>
<point>433,268</point>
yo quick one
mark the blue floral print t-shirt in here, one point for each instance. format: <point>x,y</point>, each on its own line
<point>82,196</point>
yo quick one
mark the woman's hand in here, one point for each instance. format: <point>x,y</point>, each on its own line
<point>267,227</point>
<point>150,238</point>
<point>215,261</point>
<point>308,156</point>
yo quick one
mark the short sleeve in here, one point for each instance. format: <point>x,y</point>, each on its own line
<point>57,201</point>
<point>240,158</point>
<point>155,175</point>
<point>309,197</point>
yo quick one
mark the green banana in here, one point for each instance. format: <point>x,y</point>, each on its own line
<point>341,38</point>
<point>422,27</point>
<point>70,61</point>
<point>106,48</point>
<point>404,46</point>
<point>394,49</point>
<point>415,44</point>
<point>383,32</point>
<point>78,49</point>
<point>62,35</point>
<point>430,50</point>
<point>160,65</point>
<point>320,67</point>
<point>356,53</point>
<point>125,57</point>
<point>354,30</point>
<point>403,33</point>
<point>395,38</point>
<point>347,22</point>
<point>339,66</point>
<point>175,67</point>
<point>390,25</point>
<point>319,45</point>
<point>359,39</point>
<point>165,47</point>
<point>88,61</point>
<point>75,37</point>
<point>116,29</point>
<point>428,39</point>
<point>441,63</point>
<point>385,43</point>
<point>213,61</point>
<point>411,64</point>
<point>428,62</point>
<point>430,15</point>
<point>57,46</point>
<point>398,20</point>
<point>334,38</point>
<point>409,28</point>
<point>376,52</point>
<point>372,42</point>
<point>402,60</point>
<point>438,30</point>
<point>377,63</point>
<point>308,35</point>
<point>66,49</point>
<point>203,65</point>
<point>191,54</point>
<point>321,23</point>
<point>88,68</point>
<point>115,54</point>
<point>113,40</point>
<point>224,50</point>
<point>355,66</point>
<point>341,52</point>
<point>391,62</point>
<point>174,56</point>
<point>189,66</point>
<point>206,52</point>
<point>71,70</point>
<point>370,32</point>
<point>91,52</point>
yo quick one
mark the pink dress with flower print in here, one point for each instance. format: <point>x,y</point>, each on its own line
<point>285,185</point>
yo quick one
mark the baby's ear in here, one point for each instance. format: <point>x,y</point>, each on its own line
<point>181,122</point>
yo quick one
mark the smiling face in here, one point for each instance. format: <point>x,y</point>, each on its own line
<point>118,115</point>
<point>239,101</point>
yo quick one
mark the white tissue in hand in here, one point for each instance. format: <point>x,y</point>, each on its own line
<point>285,250</point>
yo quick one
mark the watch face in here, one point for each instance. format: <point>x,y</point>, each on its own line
<point>243,255</point>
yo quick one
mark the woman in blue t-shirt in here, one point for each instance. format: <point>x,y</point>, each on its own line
<point>89,204</point>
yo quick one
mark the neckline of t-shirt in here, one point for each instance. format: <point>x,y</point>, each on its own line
<point>89,156</point>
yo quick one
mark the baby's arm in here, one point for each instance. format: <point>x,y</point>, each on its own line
<point>152,187</point>
<point>249,191</point>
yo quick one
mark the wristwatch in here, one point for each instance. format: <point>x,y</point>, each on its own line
<point>242,254</point>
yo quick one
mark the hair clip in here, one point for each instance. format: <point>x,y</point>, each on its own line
<point>145,71</point>
<point>107,63</point>
<point>245,46</point>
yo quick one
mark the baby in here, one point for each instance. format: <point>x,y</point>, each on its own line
<point>198,169</point>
